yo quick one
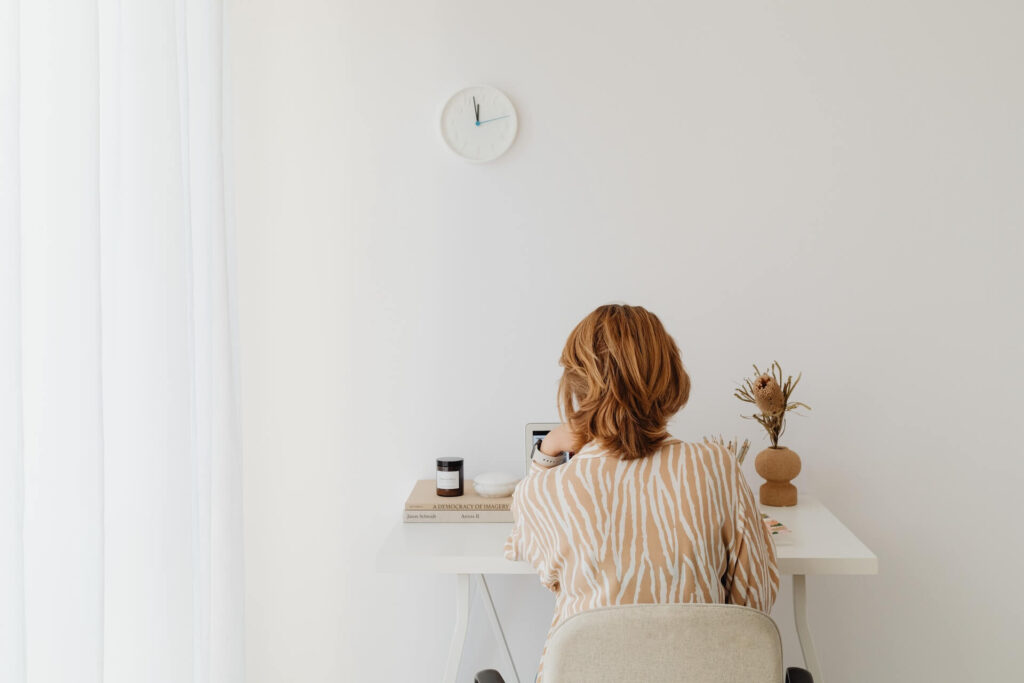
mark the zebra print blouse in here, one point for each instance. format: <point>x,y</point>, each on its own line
<point>680,525</point>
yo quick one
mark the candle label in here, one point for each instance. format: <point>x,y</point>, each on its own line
<point>447,480</point>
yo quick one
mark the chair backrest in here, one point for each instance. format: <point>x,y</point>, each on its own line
<point>665,643</point>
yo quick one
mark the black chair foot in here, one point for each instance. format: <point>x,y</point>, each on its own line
<point>488,676</point>
<point>798,675</point>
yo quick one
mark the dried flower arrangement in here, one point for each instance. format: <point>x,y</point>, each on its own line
<point>771,396</point>
<point>738,450</point>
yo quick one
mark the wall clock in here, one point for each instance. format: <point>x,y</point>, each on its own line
<point>479,123</point>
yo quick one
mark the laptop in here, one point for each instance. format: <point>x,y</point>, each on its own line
<point>535,432</point>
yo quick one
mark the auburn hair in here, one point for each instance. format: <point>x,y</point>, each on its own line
<point>623,379</point>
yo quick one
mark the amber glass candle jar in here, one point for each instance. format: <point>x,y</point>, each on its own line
<point>449,477</point>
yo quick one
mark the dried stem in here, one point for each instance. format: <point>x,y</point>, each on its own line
<point>738,450</point>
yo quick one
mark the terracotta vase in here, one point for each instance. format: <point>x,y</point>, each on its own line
<point>778,465</point>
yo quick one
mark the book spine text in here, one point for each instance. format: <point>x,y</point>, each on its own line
<point>461,516</point>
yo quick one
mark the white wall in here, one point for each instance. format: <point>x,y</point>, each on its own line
<point>834,185</point>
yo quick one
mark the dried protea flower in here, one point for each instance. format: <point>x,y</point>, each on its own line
<point>768,395</point>
<point>771,396</point>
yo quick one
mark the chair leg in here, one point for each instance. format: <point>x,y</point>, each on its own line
<point>803,631</point>
<point>499,634</point>
<point>451,667</point>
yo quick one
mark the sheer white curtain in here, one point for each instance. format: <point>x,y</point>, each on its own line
<point>120,454</point>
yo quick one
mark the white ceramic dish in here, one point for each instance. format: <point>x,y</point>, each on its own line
<point>494,484</point>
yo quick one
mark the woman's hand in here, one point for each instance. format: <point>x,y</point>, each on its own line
<point>560,439</point>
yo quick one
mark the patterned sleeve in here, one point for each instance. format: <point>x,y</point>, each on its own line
<point>752,577</point>
<point>533,533</point>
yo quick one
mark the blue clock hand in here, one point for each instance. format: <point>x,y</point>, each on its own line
<point>494,119</point>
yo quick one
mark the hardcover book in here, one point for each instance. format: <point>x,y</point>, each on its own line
<point>424,497</point>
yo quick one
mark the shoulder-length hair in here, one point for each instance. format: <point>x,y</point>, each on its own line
<point>623,379</point>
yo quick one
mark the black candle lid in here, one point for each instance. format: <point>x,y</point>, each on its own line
<point>450,463</point>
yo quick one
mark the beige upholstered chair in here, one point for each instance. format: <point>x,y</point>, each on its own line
<point>665,643</point>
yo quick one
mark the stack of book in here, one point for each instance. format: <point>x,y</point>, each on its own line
<point>779,531</point>
<point>424,505</point>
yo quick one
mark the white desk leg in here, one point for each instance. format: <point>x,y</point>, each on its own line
<point>451,669</point>
<point>803,632</point>
<point>496,625</point>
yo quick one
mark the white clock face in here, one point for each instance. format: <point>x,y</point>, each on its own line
<point>479,123</point>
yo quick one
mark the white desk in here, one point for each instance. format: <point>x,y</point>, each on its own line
<point>819,544</point>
